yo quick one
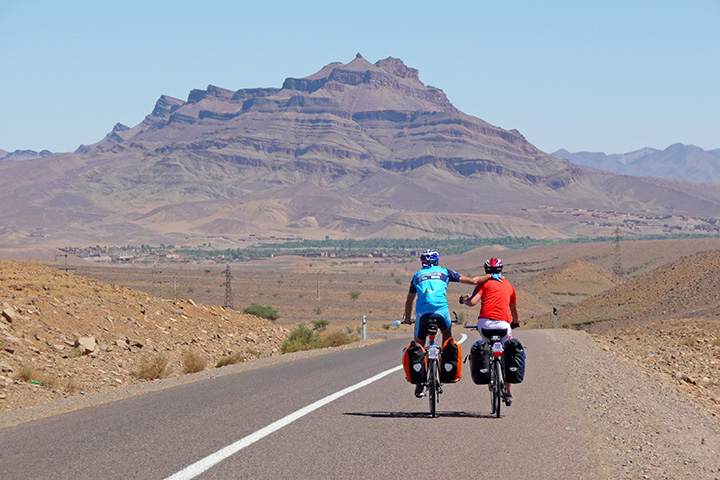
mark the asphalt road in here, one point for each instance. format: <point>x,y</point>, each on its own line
<point>377,429</point>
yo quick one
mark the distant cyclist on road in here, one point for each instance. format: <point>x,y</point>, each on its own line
<point>429,284</point>
<point>498,304</point>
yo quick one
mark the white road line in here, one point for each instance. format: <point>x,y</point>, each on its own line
<point>206,463</point>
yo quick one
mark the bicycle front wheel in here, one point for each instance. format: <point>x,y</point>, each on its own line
<point>432,386</point>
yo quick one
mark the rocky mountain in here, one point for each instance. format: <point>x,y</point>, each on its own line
<point>355,150</point>
<point>684,162</point>
<point>25,154</point>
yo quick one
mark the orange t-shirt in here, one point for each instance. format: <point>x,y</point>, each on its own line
<point>496,298</point>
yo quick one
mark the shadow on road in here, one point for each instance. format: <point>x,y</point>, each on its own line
<point>419,414</point>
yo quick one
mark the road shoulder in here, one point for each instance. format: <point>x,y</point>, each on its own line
<point>643,428</point>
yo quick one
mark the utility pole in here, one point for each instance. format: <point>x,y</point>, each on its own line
<point>228,288</point>
<point>63,255</point>
<point>617,263</point>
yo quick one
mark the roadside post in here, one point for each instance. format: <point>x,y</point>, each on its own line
<point>554,316</point>
<point>364,328</point>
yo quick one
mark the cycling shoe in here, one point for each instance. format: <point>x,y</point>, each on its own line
<point>439,389</point>
<point>419,390</point>
<point>508,399</point>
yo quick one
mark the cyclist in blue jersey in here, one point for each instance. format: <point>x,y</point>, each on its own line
<point>429,284</point>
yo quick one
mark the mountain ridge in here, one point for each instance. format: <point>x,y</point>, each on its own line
<point>353,150</point>
<point>678,161</point>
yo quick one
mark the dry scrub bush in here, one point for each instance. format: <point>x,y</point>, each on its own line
<point>193,362</point>
<point>71,386</point>
<point>76,352</point>
<point>230,360</point>
<point>29,374</point>
<point>304,338</point>
<point>335,339</point>
<point>153,367</point>
<point>262,311</point>
<point>301,338</point>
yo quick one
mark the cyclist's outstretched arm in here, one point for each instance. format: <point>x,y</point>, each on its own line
<point>476,280</point>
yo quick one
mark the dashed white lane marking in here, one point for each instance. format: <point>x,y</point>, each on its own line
<point>206,463</point>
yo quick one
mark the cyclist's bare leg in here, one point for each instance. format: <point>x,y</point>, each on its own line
<point>446,334</point>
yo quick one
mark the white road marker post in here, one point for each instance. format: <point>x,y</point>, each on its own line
<point>364,328</point>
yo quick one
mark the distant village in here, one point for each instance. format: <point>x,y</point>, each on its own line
<point>160,255</point>
<point>648,224</point>
<point>613,222</point>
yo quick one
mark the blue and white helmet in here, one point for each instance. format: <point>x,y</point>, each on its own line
<point>429,257</point>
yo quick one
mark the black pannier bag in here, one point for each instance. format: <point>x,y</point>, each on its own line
<point>514,361</point>
<point>415,363</point>
<point>480,362</point>
<point>450,364</point>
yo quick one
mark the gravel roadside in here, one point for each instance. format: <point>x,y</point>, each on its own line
<point>645,428</point>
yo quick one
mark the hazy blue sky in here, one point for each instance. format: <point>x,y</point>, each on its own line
<point>612,76</point>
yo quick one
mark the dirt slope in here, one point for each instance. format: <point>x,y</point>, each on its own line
<point>45,311</point>
<point>684,288</point>
<point>563,286</point>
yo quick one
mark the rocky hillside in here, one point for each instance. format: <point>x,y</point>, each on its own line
<point>77,334</point>
<point>354,150</point>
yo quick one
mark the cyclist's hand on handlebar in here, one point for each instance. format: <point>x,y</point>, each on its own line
<point>515,325</point>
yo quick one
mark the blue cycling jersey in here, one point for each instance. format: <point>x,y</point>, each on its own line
<point>430,285</point>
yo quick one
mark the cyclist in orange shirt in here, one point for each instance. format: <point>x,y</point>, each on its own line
<point>498,309</point>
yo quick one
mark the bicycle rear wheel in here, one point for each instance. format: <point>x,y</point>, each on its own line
<point>497,389</point>
<point>492,393</point>
<point>432,386</point>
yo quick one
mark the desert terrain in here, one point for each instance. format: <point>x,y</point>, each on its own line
<point>660,314</point>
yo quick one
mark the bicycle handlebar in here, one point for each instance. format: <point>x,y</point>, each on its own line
<point>456,320</point>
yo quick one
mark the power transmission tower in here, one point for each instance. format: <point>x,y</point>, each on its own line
<point>228,288</point>
<point>617,263</point>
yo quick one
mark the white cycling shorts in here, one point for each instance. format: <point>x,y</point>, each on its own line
<point>488,324</point>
